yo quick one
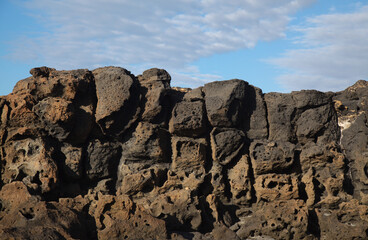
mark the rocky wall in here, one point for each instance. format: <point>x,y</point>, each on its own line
<point>104,154</point>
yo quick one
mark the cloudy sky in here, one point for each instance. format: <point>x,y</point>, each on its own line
<point>277,45</point>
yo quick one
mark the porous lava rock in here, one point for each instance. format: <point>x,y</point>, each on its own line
<point>104,154</point>
<point>117,99</point>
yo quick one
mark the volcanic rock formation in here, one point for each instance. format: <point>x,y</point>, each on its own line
<point>104,154</point>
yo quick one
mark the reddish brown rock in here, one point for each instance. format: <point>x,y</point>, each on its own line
<point>18,118</point>
<point>119,218</point>
<point>240,182</point>
<point>189,155</point>
<point>26,217</point>
<point>177,207</point>
<point>348,222</point>
<point>272,187</point>
<point>30,161</point>
<point>74,88</point>
<point>277,219</point>
<point>57,115</point>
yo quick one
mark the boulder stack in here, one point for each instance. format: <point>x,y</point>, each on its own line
<point>104,154</point>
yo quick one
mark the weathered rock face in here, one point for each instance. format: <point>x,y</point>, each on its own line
<point>104,154</point>
<point>117,99</point>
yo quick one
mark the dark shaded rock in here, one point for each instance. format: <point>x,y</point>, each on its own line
<point>118,99</point>
<point>310,99</point>
<point>224,102</point>
<point>156,76</point>
<point>149,143</point>
<point>302,116</point>
<point>188,119</point>
<point>102,159</point>
<point>194,95</point>
<point>351,106</point>
<point>148,146</point>
<point>41,71</point>
<point>257,128</point>
<point>280,112</point>
<point>354,141</point>
<point>318,123</point>
<point>226,144</point>
<point>155,85</point>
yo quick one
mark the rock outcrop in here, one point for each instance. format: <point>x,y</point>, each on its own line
<point>104,154</point>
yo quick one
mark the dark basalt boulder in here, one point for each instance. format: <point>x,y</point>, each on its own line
<point>155,88</point>
<point>226,144</point>
<point>225,102</point>
<point>351,106</point>
<point>256,120</point>
<point>104,154</point>
<point>102,159</point>
<point>188,119</point>
<point>117,99</point>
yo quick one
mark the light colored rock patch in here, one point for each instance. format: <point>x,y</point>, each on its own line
<point>345,122</point>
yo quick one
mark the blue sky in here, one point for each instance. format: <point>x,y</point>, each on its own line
<point>277,45</point>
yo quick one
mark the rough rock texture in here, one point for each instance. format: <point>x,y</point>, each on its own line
<point>117,95</point>
<point>104,154</point>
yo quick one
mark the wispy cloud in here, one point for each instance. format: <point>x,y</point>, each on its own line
<point>333,53</point>
<point>144,33</point>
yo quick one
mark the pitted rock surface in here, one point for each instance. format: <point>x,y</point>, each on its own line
<point>104,154</point>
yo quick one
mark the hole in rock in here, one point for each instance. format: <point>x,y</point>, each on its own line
<point>272,184</point>
<point>27,214</point>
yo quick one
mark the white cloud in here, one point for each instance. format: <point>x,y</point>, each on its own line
<point>334,53</point>
<point>162,33</point>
